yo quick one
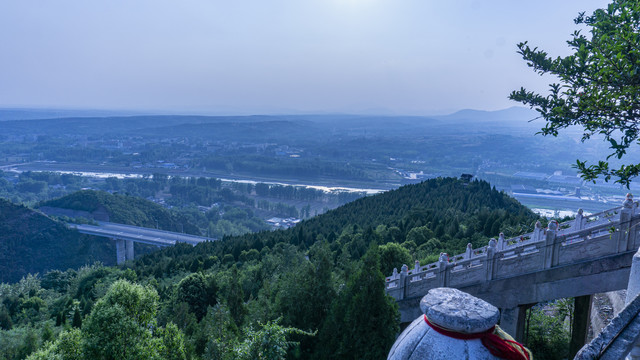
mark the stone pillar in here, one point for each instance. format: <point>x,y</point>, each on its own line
<point>469,252</point>
<point>512,321</point>
<point>444,265</point>
<point>129,249</point>
<point>625,228</point>
<point>550,253</point>
<point>633,289</point>
<point>404,273</point>
<point>581,321</point>
<point>578,223</point>
<point>538,232</point>
<point>120,251</point>
<point>490,257</point>
<point>502,243</point>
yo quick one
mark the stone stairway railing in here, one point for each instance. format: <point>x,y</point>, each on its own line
<point>587,237</point>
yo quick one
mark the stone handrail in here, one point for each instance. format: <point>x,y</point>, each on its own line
<point>587,237</point>
<point>617,339</point>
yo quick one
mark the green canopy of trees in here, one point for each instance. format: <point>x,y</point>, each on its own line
<point>598,86</point>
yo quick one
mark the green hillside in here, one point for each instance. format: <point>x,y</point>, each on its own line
<point>30,242</point>
<point>234,298</point>
<point>438,215</point>
<point>124,209</point>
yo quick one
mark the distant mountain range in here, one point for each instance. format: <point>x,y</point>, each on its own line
<point>33,114</point>
<point>511,114</point>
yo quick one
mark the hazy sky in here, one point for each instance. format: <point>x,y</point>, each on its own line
<point>276,56</point>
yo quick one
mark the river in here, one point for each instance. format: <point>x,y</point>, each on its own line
<point>327,189</point>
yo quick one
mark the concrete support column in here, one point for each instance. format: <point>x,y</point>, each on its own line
<point>120,251</point>
<point>633,289</point>
<point>129,249</point>
<point>581,321</point>
<point>512,321</point>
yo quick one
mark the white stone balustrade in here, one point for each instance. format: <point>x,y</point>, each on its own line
<point>587,237</point>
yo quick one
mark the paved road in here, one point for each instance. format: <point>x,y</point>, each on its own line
<point>138,234</point>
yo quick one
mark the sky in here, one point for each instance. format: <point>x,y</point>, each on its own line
<point>401,57</point>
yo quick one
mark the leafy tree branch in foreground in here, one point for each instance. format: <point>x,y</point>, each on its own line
<point>598,86</point>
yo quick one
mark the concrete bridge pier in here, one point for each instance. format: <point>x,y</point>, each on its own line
<point>512,320</point>
<point>129,249</point>
<point>120,251</point>
<point>581,321</point>
<point>124,250</point>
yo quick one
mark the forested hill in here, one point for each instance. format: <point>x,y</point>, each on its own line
<point>240,295</point>
<point>123,209</point>
<point>30,242</point>
<point>451,207</point>
<point>437,215</point>
<point>449,211</point>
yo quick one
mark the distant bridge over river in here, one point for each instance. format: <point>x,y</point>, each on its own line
<point>126,235</point>
<point>591,254</point>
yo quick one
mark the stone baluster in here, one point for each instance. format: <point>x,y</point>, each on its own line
<point>625,230</point>
<point>402,283</point>
<point>502,243</point>
<point>491,258</point>
<point>443,263</point>
<point>394,276</point>
<point>579,222</point>
<point>469,252</point>
<point>416,270</point>
<point>538,232</point>
<point>550,251</point>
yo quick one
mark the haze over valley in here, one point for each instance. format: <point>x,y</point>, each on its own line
<point>286,180</point>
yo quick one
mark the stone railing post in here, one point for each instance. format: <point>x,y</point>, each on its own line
<point>402,283</point>
<point>501,242</point>
<point>578,223</point>
<point>444,266</point>
<point>624,227</point>
<point>550,251</point>
<point>490,259</point>
<point>469,252</point>
<point>538,232</point>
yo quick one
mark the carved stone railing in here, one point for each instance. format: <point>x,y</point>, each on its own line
<point>587,237</point>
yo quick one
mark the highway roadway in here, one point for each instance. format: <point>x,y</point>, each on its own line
<point>138,234</point>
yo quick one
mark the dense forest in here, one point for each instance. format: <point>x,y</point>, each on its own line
<point>122,209</point>
<point>315,291</point>
<point>30,242</point>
